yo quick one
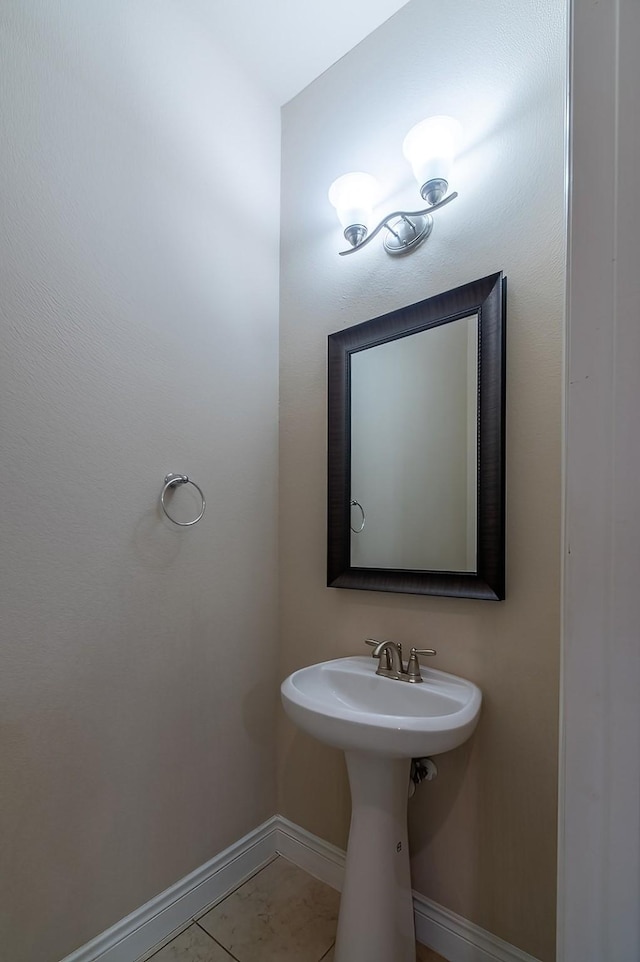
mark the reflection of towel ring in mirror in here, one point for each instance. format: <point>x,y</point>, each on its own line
<point>357,504</point>
<point>172,481</point>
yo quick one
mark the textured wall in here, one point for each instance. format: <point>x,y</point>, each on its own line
<point>482,835</point>
<point>136,689</point>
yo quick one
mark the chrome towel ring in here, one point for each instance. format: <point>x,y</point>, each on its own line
<point>356,504</point>
<point>172,481</point>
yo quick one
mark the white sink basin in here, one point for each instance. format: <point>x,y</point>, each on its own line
<point>380,723</point>
<point>345,704</point>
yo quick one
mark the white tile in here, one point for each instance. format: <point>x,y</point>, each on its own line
<point>280,915</point>
<point>192,945</point>
<point>161,944</point>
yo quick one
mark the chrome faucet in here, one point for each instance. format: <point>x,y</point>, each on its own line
<point>390,663</point>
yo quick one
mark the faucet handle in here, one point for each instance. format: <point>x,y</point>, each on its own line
<point>374,643</point>
<point>413,668</point>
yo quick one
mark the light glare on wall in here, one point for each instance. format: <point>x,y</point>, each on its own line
<point>430,148</point>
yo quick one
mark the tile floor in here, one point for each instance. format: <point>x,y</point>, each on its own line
<point>279,915</point>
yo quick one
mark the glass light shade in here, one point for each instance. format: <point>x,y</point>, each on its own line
<point>353,196</point>
<point>430,148</point>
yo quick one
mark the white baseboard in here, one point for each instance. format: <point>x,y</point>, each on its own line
<point>459,940</point>
<point>317,857</point>
<point>174,908</point>
<point>442,930</point>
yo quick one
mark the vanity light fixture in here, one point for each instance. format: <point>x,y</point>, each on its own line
<point>430,148</point>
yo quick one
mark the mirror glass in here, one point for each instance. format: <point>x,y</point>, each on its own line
<point>414,417</point>
<point>416,447</point>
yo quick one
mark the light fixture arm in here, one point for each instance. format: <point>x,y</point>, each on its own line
<point>403,214</point>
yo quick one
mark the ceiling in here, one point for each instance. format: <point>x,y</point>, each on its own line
<point>285,44</point>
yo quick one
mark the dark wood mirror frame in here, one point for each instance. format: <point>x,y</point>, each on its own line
<point>486,298</point>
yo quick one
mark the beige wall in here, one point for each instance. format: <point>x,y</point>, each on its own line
<point>137,693</point>
<point>483,834</point>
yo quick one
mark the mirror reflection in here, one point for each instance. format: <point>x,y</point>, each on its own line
<point>414,450</point>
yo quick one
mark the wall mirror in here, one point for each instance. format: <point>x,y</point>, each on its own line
<point>416,459</point>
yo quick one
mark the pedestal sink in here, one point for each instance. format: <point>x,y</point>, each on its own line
<point>380,724</point>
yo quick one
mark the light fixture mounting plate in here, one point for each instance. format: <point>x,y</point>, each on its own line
<point>405,233</point>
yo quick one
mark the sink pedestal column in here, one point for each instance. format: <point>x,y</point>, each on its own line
<point>376,907</point>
